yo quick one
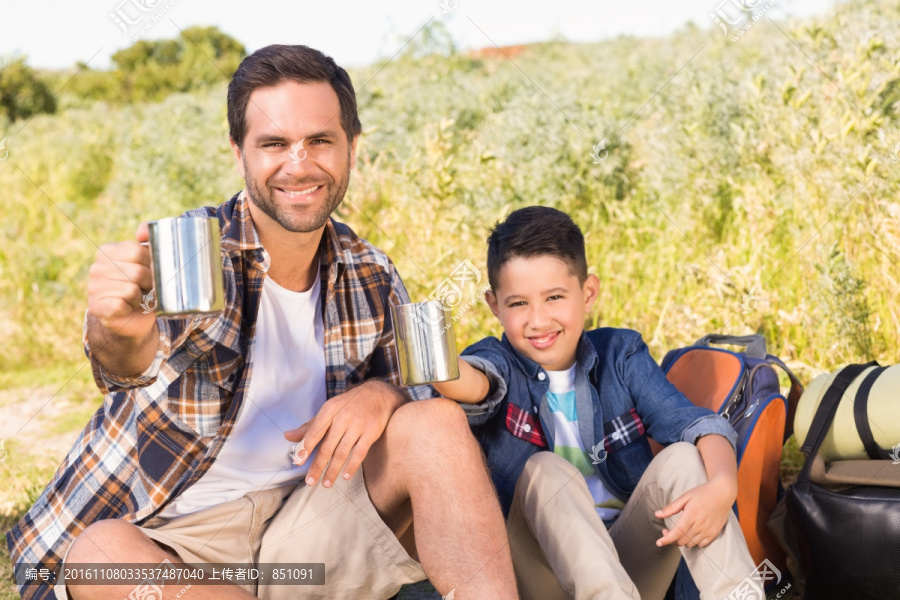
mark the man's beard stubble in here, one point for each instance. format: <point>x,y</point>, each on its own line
<point>264,198</point>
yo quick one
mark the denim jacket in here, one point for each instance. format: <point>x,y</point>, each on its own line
<point>621,397</point>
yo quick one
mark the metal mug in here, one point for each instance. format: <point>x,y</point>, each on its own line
<point>426,346</point>
<point>187,266</point>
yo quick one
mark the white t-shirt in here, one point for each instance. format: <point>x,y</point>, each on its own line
<point>287,389</point>
<point>568,443</point>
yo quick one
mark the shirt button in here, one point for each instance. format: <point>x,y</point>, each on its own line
<point>541,376</point>
<point>526,428</point>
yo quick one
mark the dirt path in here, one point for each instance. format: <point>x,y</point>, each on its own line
<point>38,425</point>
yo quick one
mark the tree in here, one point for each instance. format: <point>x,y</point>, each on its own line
<point>23,93</point>
<point>150,70</point>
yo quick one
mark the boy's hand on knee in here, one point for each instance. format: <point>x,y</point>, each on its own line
<point>704,509</point>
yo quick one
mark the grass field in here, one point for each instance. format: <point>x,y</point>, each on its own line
<point>738,187</point>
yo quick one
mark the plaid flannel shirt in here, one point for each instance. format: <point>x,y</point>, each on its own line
<point>158,433</point>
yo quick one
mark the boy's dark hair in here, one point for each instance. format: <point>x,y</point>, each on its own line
<point>536,231</point>
<point>278,63</point>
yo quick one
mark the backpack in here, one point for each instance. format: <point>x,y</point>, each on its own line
<point>743,387</point>
<point>843,514</point>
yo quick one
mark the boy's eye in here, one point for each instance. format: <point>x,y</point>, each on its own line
<point>555,297</point>
<point>519,303</point>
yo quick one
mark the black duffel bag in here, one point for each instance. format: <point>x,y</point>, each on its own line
<point>848,536</point>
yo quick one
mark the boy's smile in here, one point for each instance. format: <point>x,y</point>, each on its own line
<point>543,341</point>
<point>542,308</point>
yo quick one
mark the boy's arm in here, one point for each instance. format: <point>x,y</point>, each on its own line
<point>471,387</point>
<point>705,507</point>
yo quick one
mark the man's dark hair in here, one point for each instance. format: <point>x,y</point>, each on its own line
<point>278,63</point>
<point>536,231</point>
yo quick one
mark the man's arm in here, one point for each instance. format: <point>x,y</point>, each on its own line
<point>471,387</point>
<point>121,336</point>
<point>706,507</point>
<point>122,357</point>
<point>348,424</point>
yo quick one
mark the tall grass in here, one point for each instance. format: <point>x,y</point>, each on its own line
<point>735,170</point>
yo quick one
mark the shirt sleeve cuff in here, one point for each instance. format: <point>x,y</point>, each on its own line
<point>482,411</point>
<point>710,425</point>
<point>109,383</point>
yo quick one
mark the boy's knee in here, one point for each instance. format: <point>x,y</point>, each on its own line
<point>681,465</point>
<point>546,466</point>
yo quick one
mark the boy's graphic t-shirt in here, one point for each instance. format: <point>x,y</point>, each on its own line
<point>568,443</point>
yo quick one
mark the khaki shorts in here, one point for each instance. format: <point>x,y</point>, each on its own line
<point>338,526</point>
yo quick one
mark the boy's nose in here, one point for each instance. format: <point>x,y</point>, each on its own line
<point>538,319</point>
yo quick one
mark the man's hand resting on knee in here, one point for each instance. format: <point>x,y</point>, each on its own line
<point>346,427</point>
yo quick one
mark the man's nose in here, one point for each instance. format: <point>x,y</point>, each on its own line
<point>297,161</point>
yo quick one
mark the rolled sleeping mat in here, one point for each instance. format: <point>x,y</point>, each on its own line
<point>843,441</point>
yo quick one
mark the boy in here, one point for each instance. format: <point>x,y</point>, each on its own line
<point>587,399</point>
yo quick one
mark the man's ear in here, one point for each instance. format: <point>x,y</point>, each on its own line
<point>238,156</point>
<point>491,298</point>
<point>353,146</point>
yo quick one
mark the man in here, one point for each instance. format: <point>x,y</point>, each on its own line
<point>187,459</point>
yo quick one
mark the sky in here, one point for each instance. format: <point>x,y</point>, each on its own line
<point>56,34</point>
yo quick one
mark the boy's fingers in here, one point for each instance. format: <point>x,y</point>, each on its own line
<point>673,508</point>
<point>681,533</point>
<point>669,536</point>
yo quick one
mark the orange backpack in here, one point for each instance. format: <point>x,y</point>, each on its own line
<point>743,387</point>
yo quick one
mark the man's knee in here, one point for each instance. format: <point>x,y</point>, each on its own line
<point>426,423</point>
<point>108,541</point>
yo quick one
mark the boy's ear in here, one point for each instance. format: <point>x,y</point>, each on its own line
<point>492,302</point>
<point>590,289</point>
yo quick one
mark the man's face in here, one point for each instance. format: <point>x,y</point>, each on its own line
<point>542,308</point>
<point>296,159</point>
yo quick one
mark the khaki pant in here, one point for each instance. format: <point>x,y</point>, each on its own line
<point>338,526</point>
<point>561,548</point>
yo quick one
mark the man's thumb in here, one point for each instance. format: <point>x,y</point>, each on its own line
<point>295,435</point>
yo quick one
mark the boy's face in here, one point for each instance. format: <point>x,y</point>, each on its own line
<point>542,308</point>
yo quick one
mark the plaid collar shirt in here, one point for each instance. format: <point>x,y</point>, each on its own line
<point>158,433</point>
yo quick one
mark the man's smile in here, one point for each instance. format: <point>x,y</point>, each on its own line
<point>298,192</point>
